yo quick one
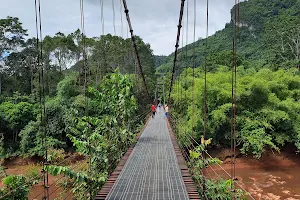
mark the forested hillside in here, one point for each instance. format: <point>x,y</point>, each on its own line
<point>268,37</point>
<point>268,84</point>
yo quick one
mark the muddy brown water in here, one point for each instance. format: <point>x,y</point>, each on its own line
<point>275,176</point>
<point>275,183</point>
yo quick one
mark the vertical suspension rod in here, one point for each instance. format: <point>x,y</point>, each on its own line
<point>205,96</point>
<point>42,96</point>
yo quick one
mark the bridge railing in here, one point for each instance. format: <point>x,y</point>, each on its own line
<point>212,171</point>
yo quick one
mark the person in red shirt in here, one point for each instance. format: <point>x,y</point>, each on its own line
<point>153,109</point>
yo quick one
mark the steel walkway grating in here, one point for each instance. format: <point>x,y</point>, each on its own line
<point>151,171</point>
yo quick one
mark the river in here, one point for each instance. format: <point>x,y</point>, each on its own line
<point>271,183</point>
<point>276,176</point>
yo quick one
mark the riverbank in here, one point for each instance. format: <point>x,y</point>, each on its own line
<point>32,166</point>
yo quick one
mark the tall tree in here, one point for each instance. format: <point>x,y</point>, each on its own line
<point>284,43</point>
<point>21,67</point>
<point>11,38</point>
<point>63,48</point>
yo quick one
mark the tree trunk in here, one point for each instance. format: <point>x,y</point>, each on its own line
<point>59,61</point>
<point>15,82</point>
<point>49,79</point>
<point>0,84</point>
<point>97,73</point>
<point>31,80</point>
<point>16,136</point>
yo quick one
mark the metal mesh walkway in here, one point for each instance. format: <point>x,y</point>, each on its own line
<point>151,172</point>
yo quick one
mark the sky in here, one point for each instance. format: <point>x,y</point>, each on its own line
<point>154,20</point>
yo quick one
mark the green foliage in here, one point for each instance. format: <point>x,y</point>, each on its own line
<point>221,189</point>
<point>114,97</point>
<point>103,136</point>
<point>222,58</point>
<point>28,144</point>
<point>31,140</point>
<point>2,172</point>
<point>159,60</point>
<point>113,107</point>
<point>215,188</point>
<point>17,115</point>
<point>33,175</point>
<point>55,156</point>
<point>90,143</point>
<point>11,26</point>
<point>112,52</point>
<point>67,88</point>
<point>267,108</point>
<point>62,47</point>
<point>13,118</point>
<point>15,187</point>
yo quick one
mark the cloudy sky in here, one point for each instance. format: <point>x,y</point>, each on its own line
<point>154,20</point>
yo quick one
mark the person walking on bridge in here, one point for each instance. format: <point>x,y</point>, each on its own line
<point>167,110</point>
<point>153,109</point>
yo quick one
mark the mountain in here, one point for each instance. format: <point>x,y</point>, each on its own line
<point>159,60</point>
<point>268,36</point>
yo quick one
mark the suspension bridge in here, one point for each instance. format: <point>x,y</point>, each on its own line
<point>156,167</point>
<point>153,170</point>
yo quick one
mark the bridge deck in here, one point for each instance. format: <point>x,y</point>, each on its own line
<point>152,170</point>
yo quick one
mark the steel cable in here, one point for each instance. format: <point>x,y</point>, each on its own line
<point>102,16</point>
<point>121,15</point>
<point>126,10</point>
<point>114,16</point>
<point>176,49</point>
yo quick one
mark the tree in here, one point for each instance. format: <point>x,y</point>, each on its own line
<point>267,112</point>
<point>63,48</point>
<point>17,116</point>
<point>222,58</point>
<point>18,184</point>
<point>284,43</point>
<point>77,38</point>
<point>11,38</point>
<point>11,34</point>
<point>21,66</point>
<point>290,44</point>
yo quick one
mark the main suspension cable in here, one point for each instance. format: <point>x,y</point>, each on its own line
<point>186,44</point>
<point>181,71</point>
<point>136,49</point>
<point>176,49</point>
